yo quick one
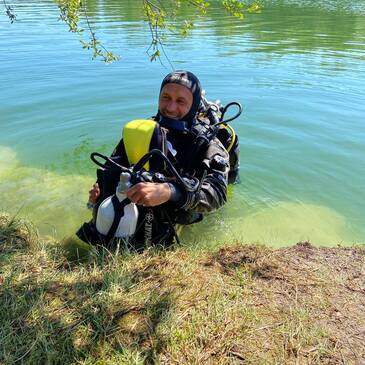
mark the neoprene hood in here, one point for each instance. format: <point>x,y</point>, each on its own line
<point>190,81</point>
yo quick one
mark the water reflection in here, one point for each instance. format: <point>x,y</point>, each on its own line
<point>281,27</point>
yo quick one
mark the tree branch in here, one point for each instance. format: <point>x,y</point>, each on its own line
<point>9,12</point>
<point>160,15</point>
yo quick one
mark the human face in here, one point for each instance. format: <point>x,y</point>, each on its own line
<point>175,101</point>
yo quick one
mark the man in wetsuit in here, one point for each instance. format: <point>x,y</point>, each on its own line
<point>179,102</point>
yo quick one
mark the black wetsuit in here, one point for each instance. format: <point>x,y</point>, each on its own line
<point>211,161</point>
<point>194,156</point>
<point>210,165</point>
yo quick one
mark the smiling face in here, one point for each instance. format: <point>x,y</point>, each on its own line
<point>175,101</point>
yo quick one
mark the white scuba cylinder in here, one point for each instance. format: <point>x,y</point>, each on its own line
<point>105,216</point>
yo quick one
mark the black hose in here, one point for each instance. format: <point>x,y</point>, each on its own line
<point>240,109</point>
<point>138,166</point>
<point>108,159</point>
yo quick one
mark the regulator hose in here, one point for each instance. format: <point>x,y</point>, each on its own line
<point>139,165</point>
<point>212,110</point>
<point>239,112</point>
<point>108,159</point>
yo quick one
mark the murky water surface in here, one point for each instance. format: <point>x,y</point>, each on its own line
<point>298,68</point>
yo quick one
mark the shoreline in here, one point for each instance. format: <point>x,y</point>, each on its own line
<point>242,304</point>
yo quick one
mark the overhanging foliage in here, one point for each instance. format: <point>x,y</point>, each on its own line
<point>161,16</point>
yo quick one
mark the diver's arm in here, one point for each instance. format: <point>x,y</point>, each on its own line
<point>213,192</point>
<point>94,193</point>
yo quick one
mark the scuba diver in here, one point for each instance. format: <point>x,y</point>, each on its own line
<point>168,170</point>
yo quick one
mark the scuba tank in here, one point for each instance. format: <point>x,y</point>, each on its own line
<point>106,211</point>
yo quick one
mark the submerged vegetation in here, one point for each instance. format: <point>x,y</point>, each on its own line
<point>237,305</point>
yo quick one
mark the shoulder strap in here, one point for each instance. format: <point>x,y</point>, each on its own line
<point>118,214</point>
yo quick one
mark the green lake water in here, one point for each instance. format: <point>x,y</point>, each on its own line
<point>298,68</point>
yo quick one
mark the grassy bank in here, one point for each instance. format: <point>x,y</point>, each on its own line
<point>238,305</point>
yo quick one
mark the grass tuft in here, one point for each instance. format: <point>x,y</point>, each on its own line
<point>16,233</point>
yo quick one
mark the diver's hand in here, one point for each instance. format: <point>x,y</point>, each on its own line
<point>149,194</point>
<point>94,193</point>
